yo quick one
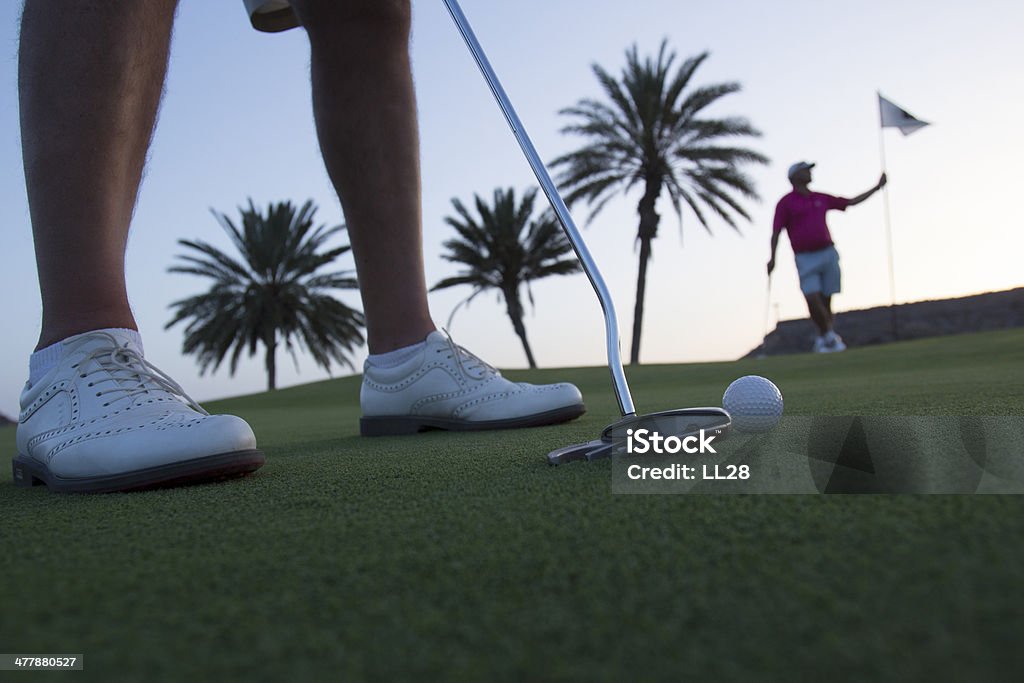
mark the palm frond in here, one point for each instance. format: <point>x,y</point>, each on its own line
<point>276,293</point>
<point>651,128</point>
<point>503,245</point>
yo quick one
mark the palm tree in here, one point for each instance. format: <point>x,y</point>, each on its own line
<point>505,248</point>
<point>654,133</point>
<point>274,294</point>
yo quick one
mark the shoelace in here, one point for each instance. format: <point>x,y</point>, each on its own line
<point>467,360</point>
<point>132,374</point>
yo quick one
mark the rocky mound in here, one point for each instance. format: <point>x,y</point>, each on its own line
<point>991,311</point>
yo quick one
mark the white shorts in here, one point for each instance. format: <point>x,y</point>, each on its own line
<point>819,271</point>
<point>271,15</point>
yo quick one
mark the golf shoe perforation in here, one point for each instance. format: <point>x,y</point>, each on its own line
<point>468,405</point>
<point>76,425</point>
<point>404,384</point>
<point>160,423</point>
<point>100,420</point>
<point>438,398</point>
<point>522,387</point>
<point>26,413</point>
<point>447,387</point>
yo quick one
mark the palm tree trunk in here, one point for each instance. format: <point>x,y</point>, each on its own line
<point>638,309</point>
<point>515,313</point>
<point>271,345</point>
<point>648,229</point>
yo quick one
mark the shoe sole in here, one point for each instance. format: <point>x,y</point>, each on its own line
<point>400,425</point>
<point>29,473</point>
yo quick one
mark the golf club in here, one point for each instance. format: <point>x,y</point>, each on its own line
<point>682,422</point>
<point>767,316</point>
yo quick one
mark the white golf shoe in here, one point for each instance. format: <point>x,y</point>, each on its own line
<point>833,342</point>
<point>104,419</point>
<point>446,387</point>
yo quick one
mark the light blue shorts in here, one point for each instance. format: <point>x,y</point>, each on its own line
<point>819,271</point>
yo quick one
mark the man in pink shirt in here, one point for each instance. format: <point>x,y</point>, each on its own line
<point>801,213</point>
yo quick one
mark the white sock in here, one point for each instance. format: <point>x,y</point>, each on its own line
<point>44,360</point>
<point>395,358</point>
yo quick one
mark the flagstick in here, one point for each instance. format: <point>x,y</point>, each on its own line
<point>888,231</point>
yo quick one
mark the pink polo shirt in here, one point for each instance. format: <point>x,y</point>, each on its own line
<point>803,217</point>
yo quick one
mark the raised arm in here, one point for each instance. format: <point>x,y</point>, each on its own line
<point>861,197</point>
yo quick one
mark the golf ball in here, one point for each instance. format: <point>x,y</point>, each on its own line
<point>754,403</point>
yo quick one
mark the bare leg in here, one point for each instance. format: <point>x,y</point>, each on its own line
<point>819,312</point>
<point>90,75</point>
<point>365,109</point>
<point>828,309</point>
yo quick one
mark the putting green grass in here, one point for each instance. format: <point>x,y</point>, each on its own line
<point>465,556</point>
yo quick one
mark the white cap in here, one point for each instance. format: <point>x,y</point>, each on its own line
<point>798,166</point>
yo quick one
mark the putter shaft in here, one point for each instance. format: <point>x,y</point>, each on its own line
<point>611,324</point>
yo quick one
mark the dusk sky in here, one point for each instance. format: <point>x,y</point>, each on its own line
<point>236,123</point>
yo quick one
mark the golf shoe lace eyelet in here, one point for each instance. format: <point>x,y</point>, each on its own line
<point>131,375</point>
<point>467,360</point>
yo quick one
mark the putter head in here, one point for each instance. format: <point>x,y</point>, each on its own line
<point>682,423</point>
<point>591,450</point>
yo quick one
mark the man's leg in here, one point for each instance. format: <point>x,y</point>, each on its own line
<point>819,312</point>
<point>90,75</point>
<point>365,109</point>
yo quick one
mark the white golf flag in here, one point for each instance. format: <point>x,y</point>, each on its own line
<point>894,116</point>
